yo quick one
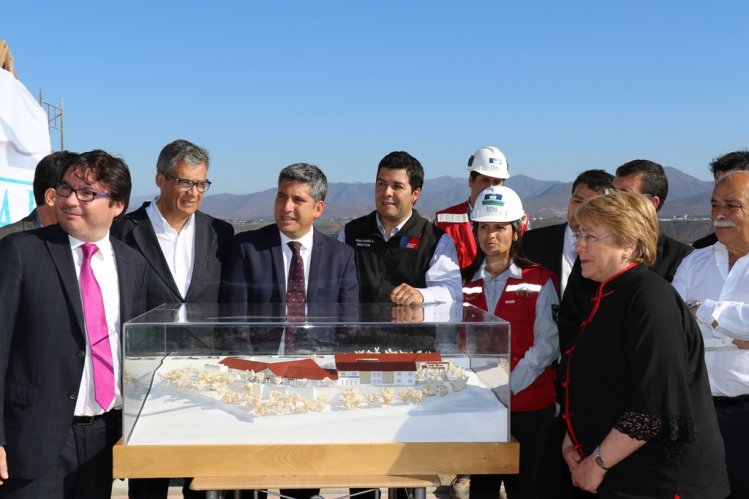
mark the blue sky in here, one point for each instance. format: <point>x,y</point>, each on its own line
<point>559,87</point>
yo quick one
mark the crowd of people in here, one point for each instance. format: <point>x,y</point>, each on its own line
<point>629,372</point>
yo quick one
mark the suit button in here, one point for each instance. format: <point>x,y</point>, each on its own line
<point>80,354</point>
<point>73,395</point>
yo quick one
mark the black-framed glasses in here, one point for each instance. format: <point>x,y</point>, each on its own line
<point>185,184</point>
<point>85,195</point>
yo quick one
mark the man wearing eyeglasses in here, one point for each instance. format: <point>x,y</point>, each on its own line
<point>65,290</point>
<point>184,247</point>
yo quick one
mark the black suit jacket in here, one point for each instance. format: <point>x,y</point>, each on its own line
<point>545,246</point>
<point>255,270</point>
<point>29,222</point>
<point>42,341</point>
<point>213,239</point>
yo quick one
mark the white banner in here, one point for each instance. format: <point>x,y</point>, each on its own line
<point>24,140</point>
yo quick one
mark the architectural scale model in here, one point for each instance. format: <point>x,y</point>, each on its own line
<point>264,386</point>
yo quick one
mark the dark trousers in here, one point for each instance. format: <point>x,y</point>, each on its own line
<point>158,488</point>
<point>82,471</point>
<point>554,479</point>
<point>733,415</point>
<point>531,429</point>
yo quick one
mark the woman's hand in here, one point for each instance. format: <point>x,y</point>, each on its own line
<point>588,475</point>
<point>570,454</point>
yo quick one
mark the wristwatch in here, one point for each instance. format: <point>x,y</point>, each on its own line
<point>599,460</point>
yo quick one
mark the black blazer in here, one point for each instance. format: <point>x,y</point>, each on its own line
<point>28,222</point>
<point>213,239</point>
<point>545,246</point>
<point>42,341</point>
<point>255,272</point>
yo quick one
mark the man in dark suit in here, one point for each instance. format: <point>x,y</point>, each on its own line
<point>184,248</point>
<point>257,269</point>
<point>553,246</point>
<point>65,290</point>
<point>46,176</point>
<point>649,178</point>
<point>264,264</point>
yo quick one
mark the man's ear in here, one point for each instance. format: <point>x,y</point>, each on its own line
<point>49,197</point>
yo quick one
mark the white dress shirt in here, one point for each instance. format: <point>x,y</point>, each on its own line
<point>178,248</point>
<point>305,251</point>
<point>442,278</point>
<point>545,348</point>
<point>569,255</point>
<point>104,267</point>
<point>704,276</point>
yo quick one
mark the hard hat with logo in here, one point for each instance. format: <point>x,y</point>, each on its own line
<point>489,161</point>
<point>498,204</point>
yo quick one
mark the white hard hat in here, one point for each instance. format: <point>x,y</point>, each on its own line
<point>489,161</point>
<point>498,204</point>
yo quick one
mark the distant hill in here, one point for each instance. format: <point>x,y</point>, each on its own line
<point>543,199</point>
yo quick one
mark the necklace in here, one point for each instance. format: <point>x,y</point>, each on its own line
<point>495,273</point>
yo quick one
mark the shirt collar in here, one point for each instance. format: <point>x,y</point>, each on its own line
<point>160,225</point>
<point>512,271</point>
<point>104,245</point>
<point>305,240</point>
<point>395,229</point>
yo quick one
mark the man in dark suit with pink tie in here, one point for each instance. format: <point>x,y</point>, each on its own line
<point>65,291</point>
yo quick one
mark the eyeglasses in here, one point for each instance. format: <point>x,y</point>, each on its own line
<point>185,184</point>
<point>581,237</point>
<point>85,195</point>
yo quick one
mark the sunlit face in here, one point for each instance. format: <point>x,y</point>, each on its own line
<point>394,198</point>
<point>730,212</point>
<point>479,182</point>
<point>88,221</point>
<point>581,193</point>
<point>495,238</point>
<point>629,183</point>
<point>601,257</point>
<point>174,203</point>
<point>295,210</point>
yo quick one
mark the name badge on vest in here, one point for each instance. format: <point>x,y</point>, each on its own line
<point>364,243</point>
<point>410,242</point>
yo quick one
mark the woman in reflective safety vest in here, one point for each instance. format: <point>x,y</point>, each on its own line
<point>502,281</point>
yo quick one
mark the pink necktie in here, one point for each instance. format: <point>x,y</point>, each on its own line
<point>97,331</point>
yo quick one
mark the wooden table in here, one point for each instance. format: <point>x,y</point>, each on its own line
<point>391,465</point>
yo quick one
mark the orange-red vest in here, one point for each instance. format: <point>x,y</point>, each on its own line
<point>455,221</point>
<point>518,307</point>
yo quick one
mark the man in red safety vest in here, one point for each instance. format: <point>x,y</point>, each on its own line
<point>487,167</point>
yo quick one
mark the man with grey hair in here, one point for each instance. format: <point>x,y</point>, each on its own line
<point>184,247</point>
<point>257,270</point>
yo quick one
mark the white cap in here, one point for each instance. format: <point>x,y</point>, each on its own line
<point>489,161</point>
<point>498,204</point>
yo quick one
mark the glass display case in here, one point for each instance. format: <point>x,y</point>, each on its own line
<point>332,378</point>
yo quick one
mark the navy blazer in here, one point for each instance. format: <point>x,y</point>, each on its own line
<point>42,341</point>
<point>255,272</point>
<point>213,239</point>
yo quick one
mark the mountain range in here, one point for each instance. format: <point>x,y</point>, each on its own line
<point>543,199</point>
